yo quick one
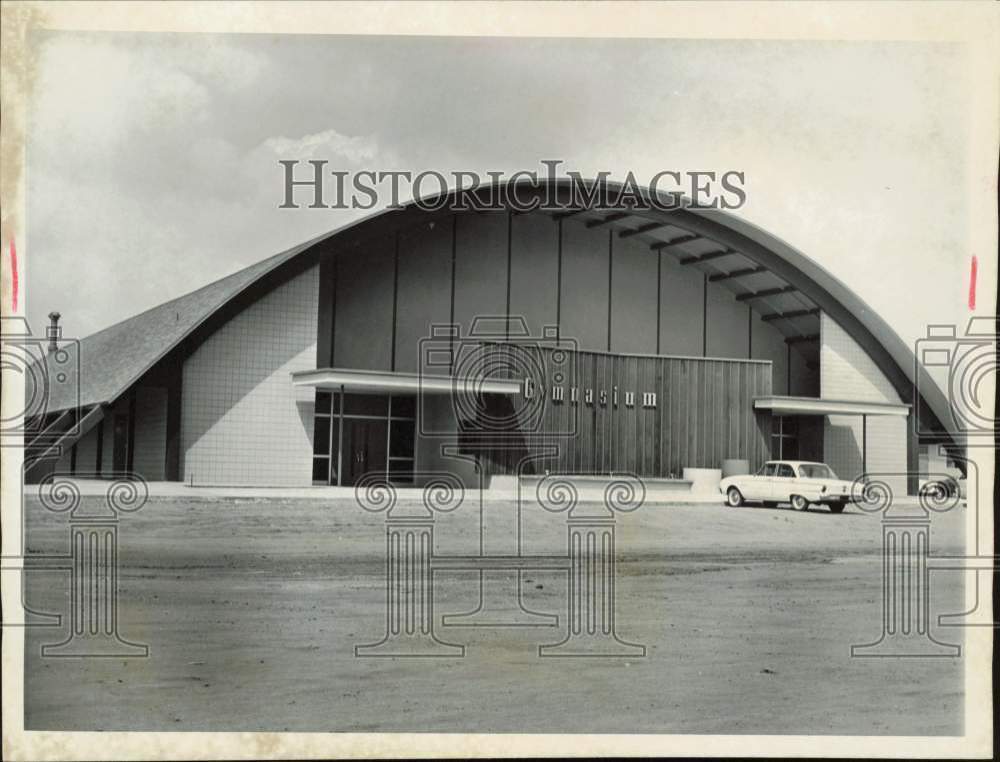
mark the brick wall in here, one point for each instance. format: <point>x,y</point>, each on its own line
<point>242,421</point>
<point>848,373</point>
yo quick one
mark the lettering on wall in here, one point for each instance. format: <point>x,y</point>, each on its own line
<point>558,394</point>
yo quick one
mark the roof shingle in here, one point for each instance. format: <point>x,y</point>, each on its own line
<point>112,359</point>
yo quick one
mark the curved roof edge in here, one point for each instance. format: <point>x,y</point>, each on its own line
<point>889,352</point>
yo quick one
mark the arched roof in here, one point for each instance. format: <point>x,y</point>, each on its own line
<point>787,287</point>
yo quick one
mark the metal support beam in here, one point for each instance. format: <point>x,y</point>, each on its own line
<point>802,339</point>
<point>674,242</point>
<point>864,444</point>
<point>340,440</point>
<point>46,433</point>
<point>765,293</point>
<point>737,274</point>
<point>70,437</point>
<point>563,215</point>
<point>789,315</point>
<point>642,229</point>
<point>614,216</point>
<point>706,257</point>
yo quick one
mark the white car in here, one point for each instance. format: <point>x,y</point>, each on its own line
<point>788,481</point>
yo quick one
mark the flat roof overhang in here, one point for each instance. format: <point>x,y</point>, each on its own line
<point>780,405</point>
<point>390,382</point>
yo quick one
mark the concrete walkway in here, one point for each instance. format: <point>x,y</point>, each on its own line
<point>501,491</point>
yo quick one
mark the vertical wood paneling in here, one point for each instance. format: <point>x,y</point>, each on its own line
<point>704,414</point>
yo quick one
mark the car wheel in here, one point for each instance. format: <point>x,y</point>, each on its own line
<point>837,507</point>
<point>734,497</point>
<point>799,503</point>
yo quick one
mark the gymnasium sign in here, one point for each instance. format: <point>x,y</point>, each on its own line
<point>591,396</point>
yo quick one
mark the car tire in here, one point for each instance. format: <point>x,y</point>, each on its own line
<point>734,498</point>
<point>837,507</point>
<point>799,503</point>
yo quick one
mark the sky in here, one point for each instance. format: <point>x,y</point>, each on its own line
<point>153,158</point>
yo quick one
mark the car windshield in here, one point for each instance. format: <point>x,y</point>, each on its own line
<point>816,471</point>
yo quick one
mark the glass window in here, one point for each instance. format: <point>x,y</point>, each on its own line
<point>816,471</point>
<point>785,471</point>
<point>321,435</point>
<point>770,469</point>
<point>404,407</point>
<point>321,470</point>
<point>401,471</point>
<point>366,404</point>
<point>323,403</point>
<point>401,439</point>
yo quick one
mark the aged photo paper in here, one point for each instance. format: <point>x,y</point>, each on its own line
<point>412,380</point>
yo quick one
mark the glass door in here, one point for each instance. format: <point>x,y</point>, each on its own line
<point>365,448</point>
<point>358,434</point>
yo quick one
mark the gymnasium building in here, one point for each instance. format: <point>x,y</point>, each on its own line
<point>578,341</point>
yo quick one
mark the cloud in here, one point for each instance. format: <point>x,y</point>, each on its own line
<point>328,144</point>
<point>153,158</point>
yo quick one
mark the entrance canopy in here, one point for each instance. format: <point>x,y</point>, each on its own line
<point>780,405</point>
<point>386,382</point>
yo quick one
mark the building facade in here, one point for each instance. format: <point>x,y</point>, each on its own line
<point>494,342</point>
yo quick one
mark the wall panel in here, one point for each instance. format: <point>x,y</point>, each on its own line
<point>243,422</point>
<point>363,306</point>
<point>150,453</point>
<point>768,343</point>
<point>680,308</point>
<point>480,268</point>
<point>424,292</point>
<point>534,270</point>
<point>585,286</point>
<point>633,297</point>
<point>805,376</point>
<point>848,373</point>
<point>727,323</point>
<point>86,452</point>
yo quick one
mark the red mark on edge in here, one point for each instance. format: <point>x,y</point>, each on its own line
<point>972,283</point>
<point>13,276</point>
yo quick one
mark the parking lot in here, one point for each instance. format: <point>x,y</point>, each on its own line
<point>252,608</point>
